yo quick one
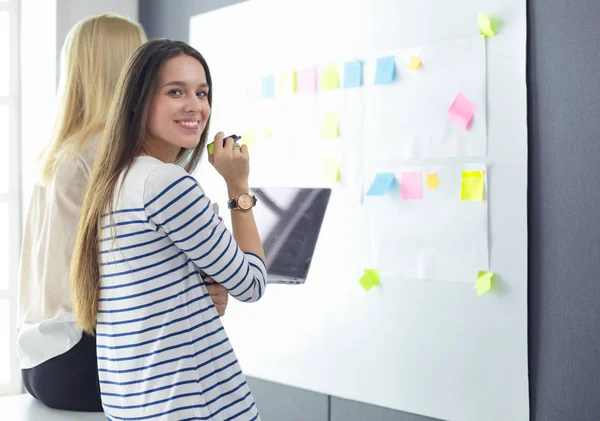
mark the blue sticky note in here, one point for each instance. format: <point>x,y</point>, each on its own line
<point>385,71</point>
<point>382,183</point>
<point>353,74</point>
<point>268,86</point>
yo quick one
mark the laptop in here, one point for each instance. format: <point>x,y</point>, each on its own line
<point>289,222</point>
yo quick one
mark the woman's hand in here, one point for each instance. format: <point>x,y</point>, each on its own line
<point>218,294</point>
<point>231,161</point>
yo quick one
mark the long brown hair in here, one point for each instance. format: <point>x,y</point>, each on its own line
<point>122,140</point>
<point>93,57</point>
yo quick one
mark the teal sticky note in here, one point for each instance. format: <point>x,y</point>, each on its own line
<point>385,71</point>
<point>353,74</point>
<point>382,183</point>
<point>268,86</point>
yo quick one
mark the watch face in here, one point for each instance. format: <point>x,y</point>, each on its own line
<point>245,201</point>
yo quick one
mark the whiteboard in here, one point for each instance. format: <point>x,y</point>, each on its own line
<point>426,346</point>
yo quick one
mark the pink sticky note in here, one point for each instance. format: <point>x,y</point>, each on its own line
<point>307,80</point>
<point>410,186</point>
<point>461,112</point>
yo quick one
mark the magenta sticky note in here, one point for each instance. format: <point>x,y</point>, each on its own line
<point>461,112</point>
<point>411,187</point>
<point>307,80</point>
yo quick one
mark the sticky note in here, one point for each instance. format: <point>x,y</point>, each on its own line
<point>330,127</point>
<point>249,137</point>
<point>410,186</point>
<point>211,148</point>
<point>288,82</point>
<point>369,279</point>
<point>385,71</point>
<point>433,181</point>
<point>382,183</point>
<point>414,63</point>
<point>353,74</point>
<point>472,186</point>
<point>267,133</point>
<point>268,86</point>
<point>307,80</point>
<point>461,112</point>
<point>331,170</point>
<point>331,77</point>
<point>484,282</point>
<point>486,26</point>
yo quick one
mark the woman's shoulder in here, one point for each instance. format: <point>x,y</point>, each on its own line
<point>160,177</point>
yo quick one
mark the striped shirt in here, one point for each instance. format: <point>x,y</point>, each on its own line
<point>162,351</point>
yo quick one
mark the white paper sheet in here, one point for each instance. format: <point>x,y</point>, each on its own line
<point>408,119</point>
<point>440,237</point>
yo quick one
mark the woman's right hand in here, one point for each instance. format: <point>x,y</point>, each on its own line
<point>231,161</point>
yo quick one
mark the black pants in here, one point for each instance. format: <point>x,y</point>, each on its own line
<point>69,381</point>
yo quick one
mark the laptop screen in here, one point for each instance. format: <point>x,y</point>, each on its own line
<point>289,221</point>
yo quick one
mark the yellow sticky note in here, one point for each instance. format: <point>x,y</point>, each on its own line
<point>211,148</point>
<point>249,138</point>
<point>288,82</point>
<point>331,77</point>
<point>472,186</point>
<point>267,133</point>
<point>369,279</point>
<point>433,181</point>
<point>484,282</point>
<point>331,170</point>
<point>330,127</point>
<point>485,25</point>
<point>415,63</point>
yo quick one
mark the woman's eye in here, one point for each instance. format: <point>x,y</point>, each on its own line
<point>175,92</point>
<point>202,93</point>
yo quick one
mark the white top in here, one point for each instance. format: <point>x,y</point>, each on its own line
<point>162,350</point>
<point>46,327</point>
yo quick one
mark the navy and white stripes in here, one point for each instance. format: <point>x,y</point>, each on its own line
<point>162,350</point>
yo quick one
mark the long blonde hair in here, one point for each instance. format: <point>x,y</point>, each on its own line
<point>121,142</point>
<point>93,57</point>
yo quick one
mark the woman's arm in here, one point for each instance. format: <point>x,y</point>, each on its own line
<point>176,205</point>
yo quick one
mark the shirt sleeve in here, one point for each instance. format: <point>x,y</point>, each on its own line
<point>176,204</point>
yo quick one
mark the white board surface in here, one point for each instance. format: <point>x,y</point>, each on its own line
<point>426,346</point>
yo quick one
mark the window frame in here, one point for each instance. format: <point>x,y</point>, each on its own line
<point>13,196</point>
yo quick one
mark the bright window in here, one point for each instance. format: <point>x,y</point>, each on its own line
<point>10,193</point>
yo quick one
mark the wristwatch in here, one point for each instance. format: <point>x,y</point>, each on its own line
<point>244,202</point>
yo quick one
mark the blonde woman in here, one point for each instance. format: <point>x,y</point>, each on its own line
<point>58,360</point>
<point>147,233</point>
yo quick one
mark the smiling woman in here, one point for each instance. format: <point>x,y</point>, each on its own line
<point>162,349</point>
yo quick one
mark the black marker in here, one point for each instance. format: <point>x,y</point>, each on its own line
<point>233,136</point>
<point>211,146</point>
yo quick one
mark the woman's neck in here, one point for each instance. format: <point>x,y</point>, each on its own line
<point>166,153</point>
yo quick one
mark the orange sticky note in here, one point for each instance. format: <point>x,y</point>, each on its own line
<point>415,63</point>
<point>433,181</point>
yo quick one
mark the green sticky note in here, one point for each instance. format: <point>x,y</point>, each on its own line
<point>369,279</point>
<point>330,127</point>
<point>472,186</point>
<point>331,77</point>
<point>211,148</point>
<point>331,170</point>
<point>288,82</point>
<point>484,282</point>
<point>486,26</point>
